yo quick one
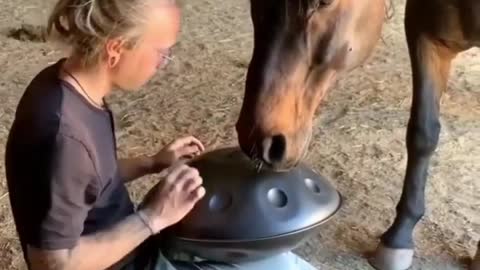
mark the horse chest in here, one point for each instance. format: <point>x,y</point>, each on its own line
<point>469,17</point>
<point>454,21</point>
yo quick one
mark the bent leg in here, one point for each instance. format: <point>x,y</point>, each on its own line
<point>284,261</point>
<point>430,63</point>
<point>156,255</point>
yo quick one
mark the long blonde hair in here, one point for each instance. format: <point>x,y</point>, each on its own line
<point>86,25</point>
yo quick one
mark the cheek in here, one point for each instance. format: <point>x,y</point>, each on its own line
<point>128,60</point>
<point>148,60</point>
<point>138,64</point>
<point>142,60</point>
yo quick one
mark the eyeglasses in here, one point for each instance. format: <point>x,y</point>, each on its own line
<point>167,57</point>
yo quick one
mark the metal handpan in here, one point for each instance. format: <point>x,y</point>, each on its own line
<point>248,214</point>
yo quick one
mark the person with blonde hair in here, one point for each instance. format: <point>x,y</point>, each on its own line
<point>66,186</point>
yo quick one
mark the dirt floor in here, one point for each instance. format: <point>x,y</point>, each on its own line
<point>358,140</point>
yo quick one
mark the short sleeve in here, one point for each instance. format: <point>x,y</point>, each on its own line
<point>72,192</point>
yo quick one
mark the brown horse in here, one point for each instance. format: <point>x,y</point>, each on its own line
<point>300,48</point>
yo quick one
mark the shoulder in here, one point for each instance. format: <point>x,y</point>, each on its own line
<point>43,109</point>
<point>51,124</point>
<point>43,131</point>
<point>38,111</point>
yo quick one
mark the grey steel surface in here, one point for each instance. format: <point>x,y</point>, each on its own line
<point>248,214</point>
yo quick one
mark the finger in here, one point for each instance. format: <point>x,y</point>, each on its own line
<point>192,184</point>
<point>198,143</point>
<point>197,194</point>
<point>189,157</point>
<point>173,167</point>
<point>188,151</point>
<point>184,177</point>
<point>182,141</point>
<point>175,171</point>
<point>186,141</point>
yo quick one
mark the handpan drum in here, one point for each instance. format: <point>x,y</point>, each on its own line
<point>249,214</point>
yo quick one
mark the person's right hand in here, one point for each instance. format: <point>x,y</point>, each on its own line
<point>172,198</point>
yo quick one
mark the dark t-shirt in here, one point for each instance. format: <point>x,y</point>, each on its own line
<point>61,166</point>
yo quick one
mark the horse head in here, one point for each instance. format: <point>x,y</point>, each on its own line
<point>300,48</point>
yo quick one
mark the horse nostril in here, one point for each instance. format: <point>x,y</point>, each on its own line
<point>274,149</point>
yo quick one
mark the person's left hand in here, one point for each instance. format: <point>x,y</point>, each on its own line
<point>180,149</point>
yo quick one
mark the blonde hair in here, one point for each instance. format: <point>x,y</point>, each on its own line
<point>86,25</point>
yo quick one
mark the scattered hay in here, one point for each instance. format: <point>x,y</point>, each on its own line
<point>28,33</point>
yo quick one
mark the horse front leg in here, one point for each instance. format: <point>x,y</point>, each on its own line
<point>430,63</point>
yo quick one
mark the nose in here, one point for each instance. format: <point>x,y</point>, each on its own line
<point>274,149</point>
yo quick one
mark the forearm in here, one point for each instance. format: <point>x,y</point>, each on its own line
<point>101,250</point>
<point>134,168</point>
<point>98,251</point>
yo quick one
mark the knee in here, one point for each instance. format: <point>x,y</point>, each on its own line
<point>422,138</point>
<point>414,211</point>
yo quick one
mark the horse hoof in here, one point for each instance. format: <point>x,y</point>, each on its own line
<point>386,258</point>
<point>476,261</point>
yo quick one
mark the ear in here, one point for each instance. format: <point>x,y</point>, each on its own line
<point>114,49</point>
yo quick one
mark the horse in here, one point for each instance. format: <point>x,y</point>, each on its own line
<point>301,47</point>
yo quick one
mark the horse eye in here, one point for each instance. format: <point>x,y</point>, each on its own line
<point>325,2</point>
